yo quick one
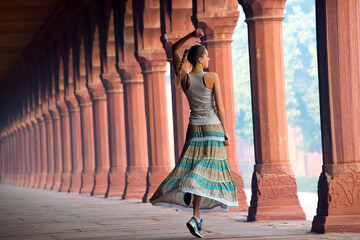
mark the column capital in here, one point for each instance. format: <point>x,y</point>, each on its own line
<point>111,82</point>
<point>263,10</point>
<point>71,103</point>
<point>218,25</point>
<point>130,72</point>
<point>54,112</point>
<point>83,97</point>
<point>152,60</point>
<point>62,107</point>
<point>96,91</point>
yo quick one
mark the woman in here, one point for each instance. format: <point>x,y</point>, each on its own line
<point>201,179</point>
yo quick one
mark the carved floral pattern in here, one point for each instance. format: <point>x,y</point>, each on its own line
<point>344,189</point>
<point>277,185</point>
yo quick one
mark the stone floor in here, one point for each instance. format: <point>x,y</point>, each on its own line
<point>39,214</point>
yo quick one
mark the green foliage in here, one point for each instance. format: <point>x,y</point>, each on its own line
<point>301,79</point>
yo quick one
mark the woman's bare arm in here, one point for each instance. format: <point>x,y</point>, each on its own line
<point>219,105</point>
<point>177,46</point>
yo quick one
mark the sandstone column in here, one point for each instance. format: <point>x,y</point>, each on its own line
<point>75,128</point>
<point>135,120</point>
<point>20,153</point>
<point>65,131</point>
<point>37,153</point>
<point>98,97</point>
<point>13,155</point>
<point>26,150</point>
<point>87,123</point>
<point>31,153</point>
<point>55,117</point>
<point>43,152</point>
<point>116,118</point>
<point>49,148</point>
<point>152,57</point>
<point>338,29</point>
<point>178,24</point>
<point>274,193</point>
<point>218,22</point>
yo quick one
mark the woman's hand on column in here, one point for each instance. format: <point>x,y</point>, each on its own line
<point>198,33</point>
<point>227,139</point>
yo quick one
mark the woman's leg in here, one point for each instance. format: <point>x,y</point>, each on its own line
<point>196,204</point>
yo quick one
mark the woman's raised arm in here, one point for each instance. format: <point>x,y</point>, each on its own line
<point>177,46</point>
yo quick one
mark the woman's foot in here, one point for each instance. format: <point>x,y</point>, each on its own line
<point>195,227</point>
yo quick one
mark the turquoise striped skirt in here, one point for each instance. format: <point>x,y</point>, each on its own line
<point>201,170</point>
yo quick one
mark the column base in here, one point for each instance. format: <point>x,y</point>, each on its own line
<point>31,180</point>
<point>237,177</point>
<point>49,181</point>
<point>21,180</point>
<point>87,185</point>
<point>136,182</point>
<point>26,182</point>
<point>339,205</point>
<point>156,176</point>
<point>274,193</point>
<point>17,180</point>
<point>42,182</point>
<point>116,182</point>
<point>57,182</point>
<point>36,181</point>
<point>65,182</point>
<point>75,182</point>
<point>101,182</point>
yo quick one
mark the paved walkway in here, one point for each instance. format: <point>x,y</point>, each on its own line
<point>39,214</point>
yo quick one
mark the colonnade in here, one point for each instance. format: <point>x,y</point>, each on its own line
<point>90,114</point>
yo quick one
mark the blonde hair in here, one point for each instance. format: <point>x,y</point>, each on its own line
<point>178,72</point>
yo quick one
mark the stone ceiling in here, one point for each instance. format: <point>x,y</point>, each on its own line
<point>21,21</point>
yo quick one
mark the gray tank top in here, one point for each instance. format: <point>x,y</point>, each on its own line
<point>201,101</point>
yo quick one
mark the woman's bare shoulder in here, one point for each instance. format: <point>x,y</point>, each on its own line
<point>212,76</point>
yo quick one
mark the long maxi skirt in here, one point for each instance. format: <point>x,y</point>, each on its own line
<point>202,170</point>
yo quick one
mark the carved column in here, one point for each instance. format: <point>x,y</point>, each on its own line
<point>65,130</point>
<point>43,152</point>
<point>57,148</point>
<point>116,118</point>
<point>55,117</point>
<point>31,143</point>
<point>274,193</point>
<point>49,148</point>
<point>37,153</point>
<point>87,123</point>
<point>26,158</point>
<point>75,129</point>
<point>135,120</point>
<point>338,40</point>
<point>152,57</point>
<point>2,155</point>
<point>14,156</point>
<point>11,154</point>
<point>218,22</point>
<point>98,97</point>
<point>178,24</point>
<point>20,153</point>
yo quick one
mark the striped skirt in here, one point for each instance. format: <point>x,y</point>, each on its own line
<point>201,170</point>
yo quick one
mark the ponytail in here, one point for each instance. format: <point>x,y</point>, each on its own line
<point>178,72</point>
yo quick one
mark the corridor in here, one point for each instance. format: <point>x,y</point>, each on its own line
<point>27,213</point>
